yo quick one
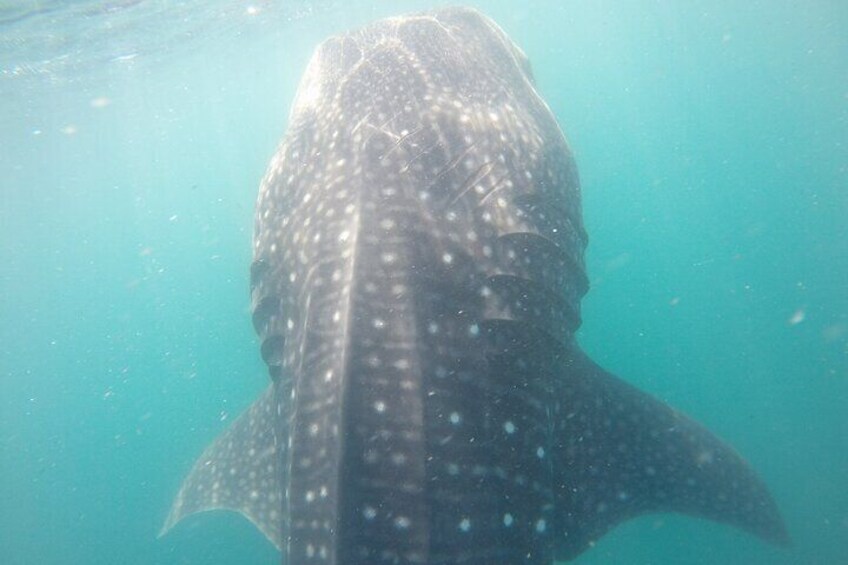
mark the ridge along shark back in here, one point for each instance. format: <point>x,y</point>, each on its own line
<point>416,285</point>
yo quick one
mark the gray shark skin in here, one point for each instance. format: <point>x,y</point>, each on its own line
<point>416,285</point>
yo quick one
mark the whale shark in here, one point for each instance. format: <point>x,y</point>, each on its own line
<point>416,285</point>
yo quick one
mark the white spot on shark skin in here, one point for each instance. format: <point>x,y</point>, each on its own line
<point>509,427</point>
<point>369,512</point>
<point>507,519</point>
<point>465,525</point>
<point>398,289</point>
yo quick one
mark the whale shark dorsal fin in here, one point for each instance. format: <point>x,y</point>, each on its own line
<point>622,453</point>
<point>240,471</point>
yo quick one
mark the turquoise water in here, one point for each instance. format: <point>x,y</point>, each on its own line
<point>712,140</point>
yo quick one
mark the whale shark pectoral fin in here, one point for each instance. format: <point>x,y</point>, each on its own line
<point>620,453</point>
<point>242,470</point>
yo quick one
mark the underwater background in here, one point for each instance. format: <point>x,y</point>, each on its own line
<point>712,143</point>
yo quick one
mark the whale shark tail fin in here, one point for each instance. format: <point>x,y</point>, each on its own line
<point>622,453</point>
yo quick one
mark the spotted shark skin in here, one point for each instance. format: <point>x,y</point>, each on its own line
<point>416,285</point>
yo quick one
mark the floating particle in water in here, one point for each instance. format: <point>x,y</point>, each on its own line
<point>100,102</point>
<point>797,317</point>
<point>834,332</point>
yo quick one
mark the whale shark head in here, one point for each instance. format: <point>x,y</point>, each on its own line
<point>416,285</point>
